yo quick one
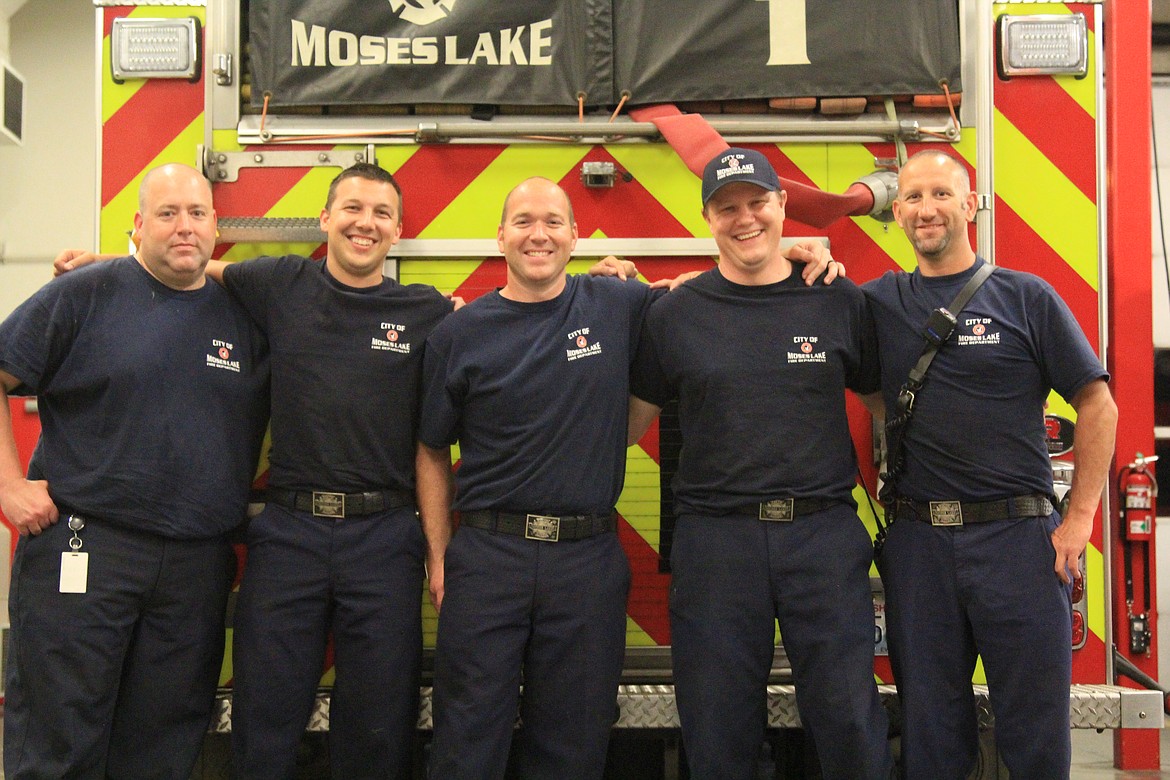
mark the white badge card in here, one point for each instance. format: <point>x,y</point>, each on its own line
<point>74,572</point>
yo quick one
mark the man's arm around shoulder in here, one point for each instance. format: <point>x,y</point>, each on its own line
<point>642,413</point>
<point>72,259</point>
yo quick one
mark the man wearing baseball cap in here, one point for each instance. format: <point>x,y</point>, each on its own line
<point>767,527</point>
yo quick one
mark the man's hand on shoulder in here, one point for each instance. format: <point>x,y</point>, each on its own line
<point>817,260</point>
<point>673,284</point>
<point>613,266</point>
<point>72,259</point>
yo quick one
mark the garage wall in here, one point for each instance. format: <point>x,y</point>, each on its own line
<point>47,201</point>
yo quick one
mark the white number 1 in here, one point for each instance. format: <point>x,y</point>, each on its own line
<point>787,32</point>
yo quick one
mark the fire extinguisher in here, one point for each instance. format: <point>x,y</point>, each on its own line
<point>1137,491</point>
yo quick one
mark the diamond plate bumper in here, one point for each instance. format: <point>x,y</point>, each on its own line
<point>653,707</point>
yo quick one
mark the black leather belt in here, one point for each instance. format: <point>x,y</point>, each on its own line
<point>340,505</point>
<point>784,510</point>
<point>542,528</point>
<point>955,513</point>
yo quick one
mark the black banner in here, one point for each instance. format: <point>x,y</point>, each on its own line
<point>519,52</point>
<point>680,50</point>
<point>546,52</point>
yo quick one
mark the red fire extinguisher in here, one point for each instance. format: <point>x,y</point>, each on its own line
<point>1138,491</point>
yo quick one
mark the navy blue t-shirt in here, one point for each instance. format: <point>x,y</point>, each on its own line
<point>537,395</point>
<point>346,365</point>
<point>977,433</point>
<point>760,373</point>
<point>152,400</point>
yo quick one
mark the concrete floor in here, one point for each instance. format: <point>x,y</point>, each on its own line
<point>1093,757</point>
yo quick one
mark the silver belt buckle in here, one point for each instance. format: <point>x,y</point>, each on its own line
<point>946,513</point>
<point>542,528</point>
<point>778,510</point>
<point>328,504</point>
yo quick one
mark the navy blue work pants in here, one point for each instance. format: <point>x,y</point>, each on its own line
<point>118,681</point>
<point>306,577</point>
<point>549,615</point>
<point>987,589</point>
<point>734,577</point>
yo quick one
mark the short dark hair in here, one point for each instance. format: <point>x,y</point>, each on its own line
<point>364,171</point>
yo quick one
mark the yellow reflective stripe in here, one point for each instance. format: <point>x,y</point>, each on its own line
<point>667,179</point>
<point>475,212</point>
<point>226,670</point>
<point>445,276</point>
<point>1045,199</point>
<point>1095,590</point>
<point>639,502</point>
<point>117,218</point>
<point>249,250</point>
<point>635,636</point>
<point>1084,91</point>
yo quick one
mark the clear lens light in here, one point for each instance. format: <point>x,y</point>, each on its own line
<point>154,48</point>
<point>1043,45</point>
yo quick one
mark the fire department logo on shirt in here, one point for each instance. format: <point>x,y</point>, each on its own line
<point>221,356</point>
<point>583,348</point>
<point>979,331</point>
<point>390,338</point>
<point>805,350</point>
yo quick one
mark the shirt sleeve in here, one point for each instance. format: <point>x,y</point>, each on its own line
<point>648,379</point>
<point>865,370</point>
<point>1066,357</point>
<point>35,338</point>
<point>442,394</point>
<point>252,283</point>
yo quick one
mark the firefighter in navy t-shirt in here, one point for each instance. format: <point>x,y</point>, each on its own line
<point>977,560</point>
<point>152,392</point>
<point>339,549</point>
<point>767,526</point>
<point>532,381</point>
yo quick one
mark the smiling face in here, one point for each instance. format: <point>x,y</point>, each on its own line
<point>176,225</point>
<point>747,222</point>
<point>362,222</point>
<point>536,235</point>
<point>934,206</point>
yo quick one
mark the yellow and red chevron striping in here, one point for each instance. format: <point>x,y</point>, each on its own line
<point>1058,126</point>
<point>147,119</point>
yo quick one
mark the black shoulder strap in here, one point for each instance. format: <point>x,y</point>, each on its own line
<point>918,373</point>
<point>938,329</point>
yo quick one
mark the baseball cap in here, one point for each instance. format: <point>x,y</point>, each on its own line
<point>736,164</point>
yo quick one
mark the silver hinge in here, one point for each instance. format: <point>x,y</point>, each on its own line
<point>225,166</point>
<point>223,69</point>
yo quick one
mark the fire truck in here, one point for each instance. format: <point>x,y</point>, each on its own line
<point>1046,102</point>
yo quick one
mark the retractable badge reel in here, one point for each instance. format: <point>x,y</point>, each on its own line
<point>74,564</point>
